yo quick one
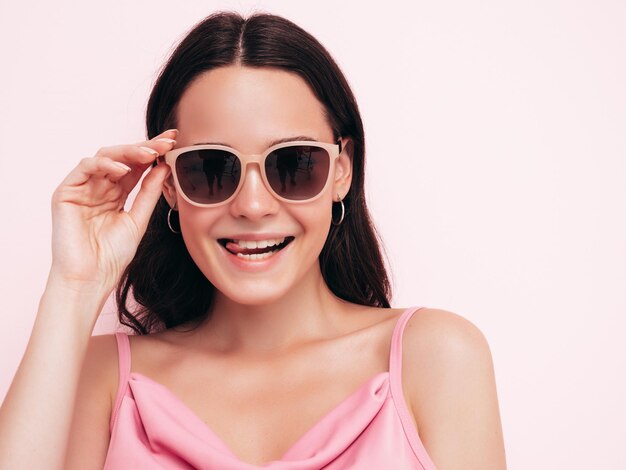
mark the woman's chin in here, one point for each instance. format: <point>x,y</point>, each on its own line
<point>254,295</point>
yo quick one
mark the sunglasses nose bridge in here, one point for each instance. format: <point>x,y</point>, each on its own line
<point>255,159</point>
<point>252,158</point>
<point>247,160</point>
<point>254,198</point>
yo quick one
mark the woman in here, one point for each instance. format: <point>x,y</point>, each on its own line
<point>265,333</point>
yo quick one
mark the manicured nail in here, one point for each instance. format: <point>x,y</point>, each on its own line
<point>171,130</point>
<point>163,139</point>
<point>121,165</point>
<point>152,152</point>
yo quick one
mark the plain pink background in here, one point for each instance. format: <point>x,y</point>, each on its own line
<point>497,175</point>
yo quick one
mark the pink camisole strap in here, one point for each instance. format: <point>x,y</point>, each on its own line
<point>395,388</point>
<point>123,356</point>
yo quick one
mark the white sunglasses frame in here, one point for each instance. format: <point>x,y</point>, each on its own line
<point>334,151</point>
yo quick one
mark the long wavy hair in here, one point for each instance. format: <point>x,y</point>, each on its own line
<point>168,287</point>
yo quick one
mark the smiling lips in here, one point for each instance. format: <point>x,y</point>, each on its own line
<point>255,249</point>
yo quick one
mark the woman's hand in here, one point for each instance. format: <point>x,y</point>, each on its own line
<point>93,238</point>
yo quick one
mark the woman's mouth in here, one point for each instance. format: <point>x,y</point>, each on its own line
<point>255,249</point>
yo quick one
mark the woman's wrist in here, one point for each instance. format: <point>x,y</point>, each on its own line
<point>77,288</point>
<point>75,301</point>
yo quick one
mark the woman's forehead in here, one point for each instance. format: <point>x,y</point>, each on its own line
<point>259,103</point>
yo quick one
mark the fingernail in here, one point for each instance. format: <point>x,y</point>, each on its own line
<point>163,139</point>
<point>171,130</point>
<point>152,152</point>
<point>121,165</point>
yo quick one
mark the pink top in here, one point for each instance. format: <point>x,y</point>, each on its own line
<point>372,428</point>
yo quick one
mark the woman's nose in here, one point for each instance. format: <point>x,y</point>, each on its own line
<point>254,201</point>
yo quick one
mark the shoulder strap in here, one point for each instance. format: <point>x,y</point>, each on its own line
<point>397,395</point>
<point>395,386</point>
<point>123,357</point>
<point>395,355</point>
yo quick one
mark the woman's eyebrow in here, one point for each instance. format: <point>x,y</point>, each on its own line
<point>270,144</point>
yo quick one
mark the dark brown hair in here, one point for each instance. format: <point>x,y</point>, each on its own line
<point>166,283</point>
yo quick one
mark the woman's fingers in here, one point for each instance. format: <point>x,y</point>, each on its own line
<point>161,144</point>
<point>130,182</point>
<point>131,155</point>
<point>168,134</point>
<point>142,154</point>
<point>113,173</point>
<point>91,166</point>
<point>148,195</point>
<point>137,158</point>
<point>107,160</point>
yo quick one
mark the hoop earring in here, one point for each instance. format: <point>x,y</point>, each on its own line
<point>343,212</point>
<point>169,222</point>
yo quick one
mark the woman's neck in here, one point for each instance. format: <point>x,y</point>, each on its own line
<point>306,313</point>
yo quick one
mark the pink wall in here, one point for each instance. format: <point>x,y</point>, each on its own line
<point>497,169</point>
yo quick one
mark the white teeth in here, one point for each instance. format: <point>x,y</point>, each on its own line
<point>257,256</point>
<point>247,244</point>
<point>251,244</point>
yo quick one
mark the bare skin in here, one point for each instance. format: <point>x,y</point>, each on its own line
<point>92,241</point>
<point>304,382</point>
<point>277,344</point>
<point>225,389</point>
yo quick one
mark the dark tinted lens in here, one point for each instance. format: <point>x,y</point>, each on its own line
<point>208,176</point>
<point>297,172</point>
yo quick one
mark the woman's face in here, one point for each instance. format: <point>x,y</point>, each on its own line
<point>248,109</point>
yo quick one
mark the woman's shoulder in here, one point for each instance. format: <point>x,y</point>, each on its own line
<point>437,342</point>
<point>429,328</point>
<point>448,379</point>
<point>441,330</point>
<point>100,366</point>
<point>103,351</point>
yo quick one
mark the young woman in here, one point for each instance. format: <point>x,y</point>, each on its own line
<point>265,337</point>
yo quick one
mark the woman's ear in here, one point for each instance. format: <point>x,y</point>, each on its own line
<point>169,190</point>
<point>343,168</point>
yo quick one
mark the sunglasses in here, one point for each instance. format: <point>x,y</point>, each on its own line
<point>210,175</point>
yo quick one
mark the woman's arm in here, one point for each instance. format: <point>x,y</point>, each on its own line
<point>93,240</point>
<point>89,436</point>
<point>36,414</point>
<point>449,377</point>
